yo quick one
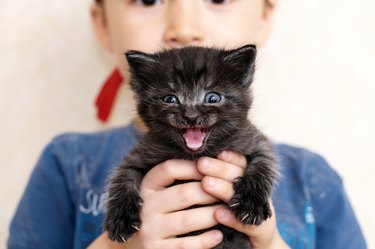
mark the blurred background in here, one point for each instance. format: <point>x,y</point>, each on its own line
<point>315,88</point>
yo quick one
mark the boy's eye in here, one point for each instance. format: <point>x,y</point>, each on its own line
<point>147,2</point>
<point>212,98</point>
<point>170,99</point>
<point>218,1</point>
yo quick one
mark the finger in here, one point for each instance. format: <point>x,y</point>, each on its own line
<point>104,242</point>
<point>186,221</point>
<point>179,197</point>
<point>218,168</point>
<point>166,173</point>
<point>233,158</point>
<point>219,188</point>
<point>227,218</point>
<point>205,240</point>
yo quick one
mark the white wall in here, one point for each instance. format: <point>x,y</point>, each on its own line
<point>314,88</point>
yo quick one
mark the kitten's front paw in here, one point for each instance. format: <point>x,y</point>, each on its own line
<point>250,202</point>
<point>123,217</point>
<point>120,231</point>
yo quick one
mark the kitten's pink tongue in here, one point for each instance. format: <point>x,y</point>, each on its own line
<point>194,138</point>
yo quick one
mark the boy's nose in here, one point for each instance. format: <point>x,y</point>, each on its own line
<point>183,24</point>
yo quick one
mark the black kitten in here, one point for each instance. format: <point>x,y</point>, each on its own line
<point>195,102</point>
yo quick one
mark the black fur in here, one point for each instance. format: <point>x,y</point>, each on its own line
<point>189,74</point>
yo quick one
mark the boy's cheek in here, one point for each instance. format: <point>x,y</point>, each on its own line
<point>127,41</point>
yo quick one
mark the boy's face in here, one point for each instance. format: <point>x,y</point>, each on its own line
<point>150,25</point>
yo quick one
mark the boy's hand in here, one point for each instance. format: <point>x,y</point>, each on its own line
<point>161,215</point>
<point>162,220</point>
<point>219,175</point>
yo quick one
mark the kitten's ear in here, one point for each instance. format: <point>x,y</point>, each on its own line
<point>241,56</point>
<point>142,67</point>
<point>242,62</point>
<point>137,59</point>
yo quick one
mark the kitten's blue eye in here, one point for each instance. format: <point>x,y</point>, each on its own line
<point>170,99</point>
<point>212,98</point>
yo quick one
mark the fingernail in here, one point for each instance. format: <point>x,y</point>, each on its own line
<point>224,155</point>
<point>218,235</point>
<point>206,164</point>
<point>223,214</point>
<point>211,182</point>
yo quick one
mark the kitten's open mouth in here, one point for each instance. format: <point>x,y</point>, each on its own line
<point>194,137</point>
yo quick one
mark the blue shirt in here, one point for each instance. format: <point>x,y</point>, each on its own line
<point>62,206</point>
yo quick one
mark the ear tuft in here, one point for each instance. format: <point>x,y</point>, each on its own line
<point>244,55</point>
<point>136,59</point>
<point>241,62</point>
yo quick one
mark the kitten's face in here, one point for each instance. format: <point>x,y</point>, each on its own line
<point>194,97</point>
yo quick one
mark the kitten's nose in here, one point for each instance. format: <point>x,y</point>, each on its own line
<point>191,119</point>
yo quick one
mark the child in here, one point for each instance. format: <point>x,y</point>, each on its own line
<point>63,203</point>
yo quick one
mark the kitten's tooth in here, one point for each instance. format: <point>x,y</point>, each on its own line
<point>255,220</point>
<point>235,204</point>
<point>135,227</point>
<point>123,240</point>
<point>247,215</point>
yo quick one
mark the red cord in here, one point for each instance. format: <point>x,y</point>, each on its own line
<point>107,95</point>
